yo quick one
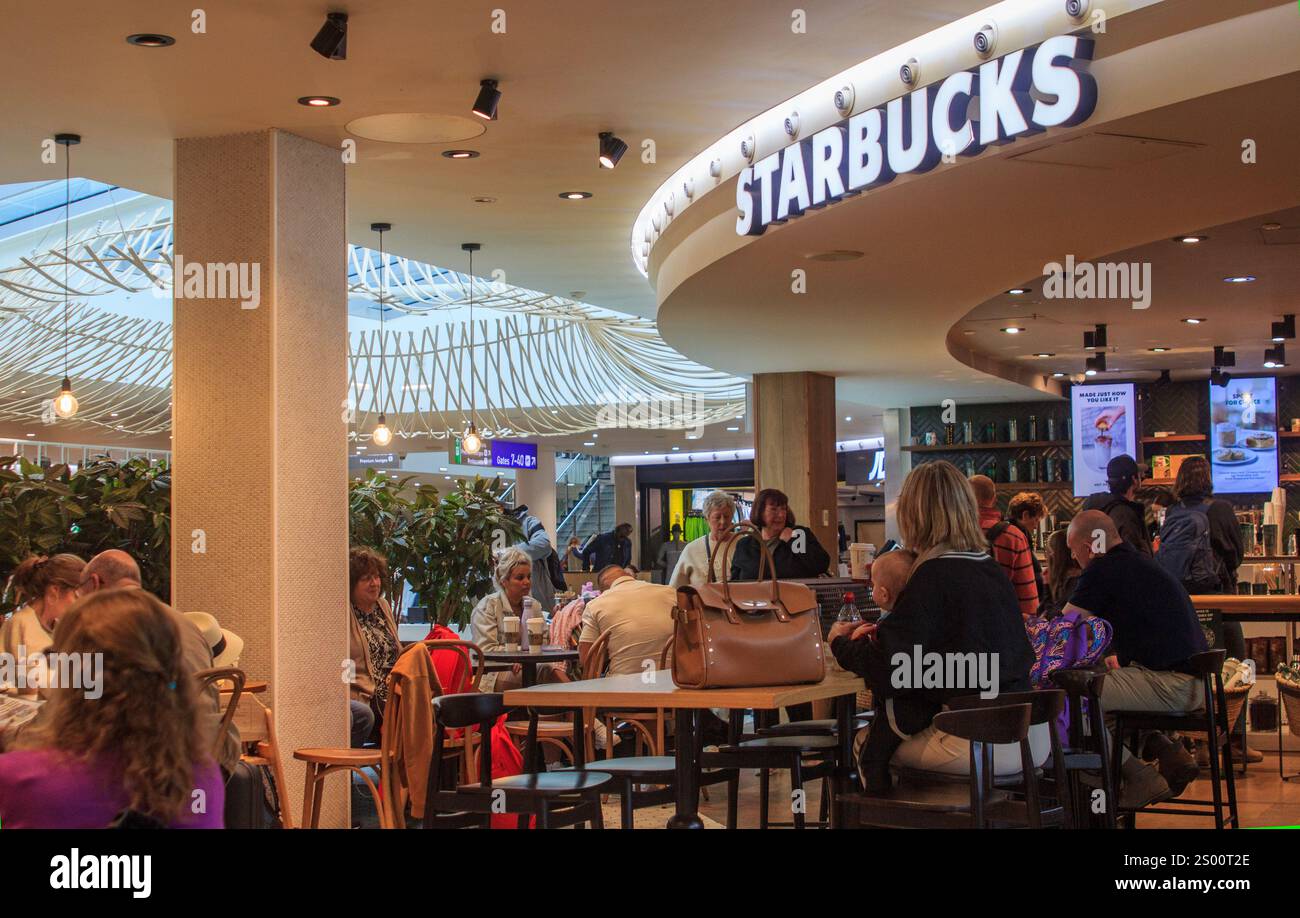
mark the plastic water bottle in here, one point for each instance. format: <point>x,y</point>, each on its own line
<point>529,612</point>
<point>849,611</point>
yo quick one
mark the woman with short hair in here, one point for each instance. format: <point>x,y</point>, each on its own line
<point>692,568</point>
<point>373,644</point>
<point>958,600</point>
<point>795,550</point>
<point>131,743</point>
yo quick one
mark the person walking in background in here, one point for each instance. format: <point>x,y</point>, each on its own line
<point>1026,511</point>
<point>608,548</point>
<point>692,568</point>
<point>794,549</point>
<point>1120,503</point>
<point>537,546</point>
<point>1007,544</point>
<point>670,553</point>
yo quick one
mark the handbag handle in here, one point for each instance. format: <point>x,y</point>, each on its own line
<point>737,531</point>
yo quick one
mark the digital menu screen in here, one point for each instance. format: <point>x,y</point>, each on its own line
<point>1104,427</point>
<point>1243,436</point>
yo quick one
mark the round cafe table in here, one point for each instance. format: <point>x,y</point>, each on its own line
<point>529,661</point>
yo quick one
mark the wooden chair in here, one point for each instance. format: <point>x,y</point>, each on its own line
<point>212,679</point>
<point>554,799</point>
<point>1087,747</point>
<point>324,761</point>
<point>257,735</point>
<point>649,726</point>
<point>1212,720</point>
<point>945,804</point>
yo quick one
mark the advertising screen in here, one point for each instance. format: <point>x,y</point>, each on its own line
<point>1104,427</point>
<point>1243,436</point>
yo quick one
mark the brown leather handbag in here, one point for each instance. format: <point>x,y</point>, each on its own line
<point>729,635</point>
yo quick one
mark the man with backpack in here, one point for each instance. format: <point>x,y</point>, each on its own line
<point>1007,544</point>
<point>1120,503</point>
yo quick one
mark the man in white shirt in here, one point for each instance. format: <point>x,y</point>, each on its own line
<point>639,615</point>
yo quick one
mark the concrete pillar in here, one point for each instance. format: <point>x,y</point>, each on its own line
<point>536,488</point>
<point>794,447</point>
<point>898,433</point>
<point>259,505</point>
<point>627,506</point>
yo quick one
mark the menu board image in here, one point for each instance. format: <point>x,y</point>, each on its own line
<point>1104,427</point>
<point>1243,436</point>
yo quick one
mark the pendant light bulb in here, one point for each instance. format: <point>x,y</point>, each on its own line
<point>471,442</point>
<point>65,405</point>
<point>382,436</point>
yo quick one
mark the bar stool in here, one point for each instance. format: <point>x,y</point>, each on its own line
<point>1086,751</point>
<point>1212,720</point>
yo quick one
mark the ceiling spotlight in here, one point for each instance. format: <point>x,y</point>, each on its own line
<point>1193,321</point>
<point>150,40</point>
<point>1044,354</point>
<point>331,41</point>
<point>1013,329</point>
<point>1095,364</point>
<point>611,149</point>
<point>489,97</point>
<point>1275,356</point>
<point>318,101</point>
<point>1190,240</point>
<point>1224,357</point>
<point>1240,279</point>
<point>1284,330</point>
<point>1219,378</point>
<point>1017,291</point>
<point>575,195</point>
<point>460,154</point>
<point>1096,339</point>
<point>1165,377</point>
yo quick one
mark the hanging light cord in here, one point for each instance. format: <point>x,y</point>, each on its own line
<point>382,278</point>
<point>472,414</point>
<point>67,256</point>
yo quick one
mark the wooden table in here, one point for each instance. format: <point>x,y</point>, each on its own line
<point>647,691</point>
<point>529,661</point>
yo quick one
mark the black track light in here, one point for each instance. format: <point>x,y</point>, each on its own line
<point>611,149</point>
<point>1220,378</point>
<point>1095,364</point>
<point>1165,377</point>
<point>489,97</point>
<point>1284,330</point>
<point>1224,357</point>
<point>1095,340</point>
<point>332,40</point>
<point>1275,356</point>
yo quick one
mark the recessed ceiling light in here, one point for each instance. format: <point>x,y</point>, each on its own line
<point>318,101</point>
<point>485,199</point>
<point>1089,372</point>
<point>1013,329</point>
<point>575,195</point>
<point>676,448</point>
<point>31,435</point>
<point>733,429</point>
<point>112,414</point>
<point>848,417</point>
<point>1271,226</point>
<point>150,40</point>
<point>1018,291</point>
<point>968,331</point>
<point>1190,240</point>
<point>1058,375</point>
<point>442,469</point>
<point>1240,279</point>
<point>836,255</point>
<point>460,154</point>
<point>1044,354</point>
<point>589,443</point>
<point>1157,350</point>
<point>1193,321</point>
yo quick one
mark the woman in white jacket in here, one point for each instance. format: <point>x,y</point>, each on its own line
<point>693,566</point>
<point>514,579</point>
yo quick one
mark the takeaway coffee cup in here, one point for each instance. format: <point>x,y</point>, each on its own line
<point>859,560</point>
<point>536,634</point>
<point>510,633</point>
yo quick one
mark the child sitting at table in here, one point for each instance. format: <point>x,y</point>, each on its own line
<point>875,746</point>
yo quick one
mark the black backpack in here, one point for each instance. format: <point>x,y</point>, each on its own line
<point>1185,549</point>
<point>553,569</point>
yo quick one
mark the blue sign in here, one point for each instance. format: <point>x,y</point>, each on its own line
<point>509,455</point>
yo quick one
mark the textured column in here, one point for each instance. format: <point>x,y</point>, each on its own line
<point>536,488</point>
<point>627,505</point>
<point>898,433</point>
<point>260,449</point>
<point>794,447</point>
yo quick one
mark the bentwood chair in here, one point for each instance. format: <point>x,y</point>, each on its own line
<point>553,799</point>
<point>946,804</point>
<point>213,679</point>
<point>256,725</point>
<point>1212,720</point>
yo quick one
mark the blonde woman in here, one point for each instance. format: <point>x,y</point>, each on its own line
<point>692,568</point>
<point>514,580</point>
<point>956,601</point>
<point>46,588</point>
<point>133,742</point>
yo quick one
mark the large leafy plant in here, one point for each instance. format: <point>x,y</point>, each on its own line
<point>439,545</point>
<point>104,504</point>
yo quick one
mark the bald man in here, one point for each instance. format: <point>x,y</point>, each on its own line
<point>1155,633</point>
<point>114,570</point>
